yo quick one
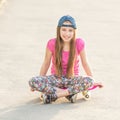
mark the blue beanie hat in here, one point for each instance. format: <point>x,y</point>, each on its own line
<point>67,18</point>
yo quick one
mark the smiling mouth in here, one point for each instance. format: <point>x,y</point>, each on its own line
<point>66,37</point>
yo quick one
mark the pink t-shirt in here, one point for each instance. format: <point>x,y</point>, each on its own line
<point>65,55</point>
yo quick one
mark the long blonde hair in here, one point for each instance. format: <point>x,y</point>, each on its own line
<point>58,55</point>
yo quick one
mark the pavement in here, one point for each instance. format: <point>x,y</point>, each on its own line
<point>25,28</point>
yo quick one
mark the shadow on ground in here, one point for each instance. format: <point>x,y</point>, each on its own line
<point>35,109</point>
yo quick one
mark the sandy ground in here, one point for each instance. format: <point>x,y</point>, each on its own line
<point>25,28</point>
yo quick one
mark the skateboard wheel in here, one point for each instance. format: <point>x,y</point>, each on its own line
<point>86,95</point>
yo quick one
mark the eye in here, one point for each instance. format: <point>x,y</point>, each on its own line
<point>70,30</point>
<point>63,29</point>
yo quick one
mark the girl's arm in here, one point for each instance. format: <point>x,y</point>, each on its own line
<point>87,68</point>
<point>85,63</point>
<point>46,63</point>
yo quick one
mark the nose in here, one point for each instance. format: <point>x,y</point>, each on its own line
<point>67,33</point>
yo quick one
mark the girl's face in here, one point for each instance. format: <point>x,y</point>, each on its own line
<point>66,33</point>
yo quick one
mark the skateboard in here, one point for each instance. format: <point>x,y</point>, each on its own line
<point>87,94</point>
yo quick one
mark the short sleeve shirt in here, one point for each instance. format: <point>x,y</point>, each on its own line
<point>80,44</point>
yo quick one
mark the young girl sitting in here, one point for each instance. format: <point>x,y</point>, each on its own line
<point>65,52</point>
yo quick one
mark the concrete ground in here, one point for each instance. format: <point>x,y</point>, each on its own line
<point>25,28</point>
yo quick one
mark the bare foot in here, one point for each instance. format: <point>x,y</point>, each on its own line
<point>63,93</point>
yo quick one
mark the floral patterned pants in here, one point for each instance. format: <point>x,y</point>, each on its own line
<point>48,84</point>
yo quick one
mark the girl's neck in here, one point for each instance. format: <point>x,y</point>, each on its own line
<point>66,46</point>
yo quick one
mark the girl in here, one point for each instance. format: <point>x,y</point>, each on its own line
<point>65,52</point>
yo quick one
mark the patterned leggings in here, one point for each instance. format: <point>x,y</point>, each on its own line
<point>48,84</point>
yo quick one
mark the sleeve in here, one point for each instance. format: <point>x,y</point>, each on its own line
<point>80,45</point>
<point>51,45</point>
